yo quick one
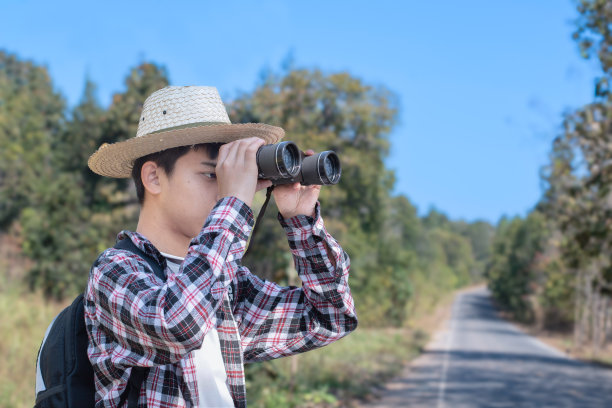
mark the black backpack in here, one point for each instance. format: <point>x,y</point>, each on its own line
<point>64,366</point>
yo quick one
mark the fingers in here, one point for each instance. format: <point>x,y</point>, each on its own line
<point>261,184</point>
<point>237,169</point>
<point>248,151</point>
<point>223,150</point>
<point>242,151</point>
<point>230,157</point>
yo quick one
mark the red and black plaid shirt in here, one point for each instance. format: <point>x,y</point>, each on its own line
<point>136,319</point>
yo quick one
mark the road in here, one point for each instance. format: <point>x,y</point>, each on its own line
<point>480,360</point>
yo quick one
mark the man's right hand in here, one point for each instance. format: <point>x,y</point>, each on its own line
<point>237,170</point>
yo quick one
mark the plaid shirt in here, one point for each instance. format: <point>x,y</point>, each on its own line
<point>135,319</point>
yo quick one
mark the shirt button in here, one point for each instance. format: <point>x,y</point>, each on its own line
<point>245,228</point>
<point>230,258</point>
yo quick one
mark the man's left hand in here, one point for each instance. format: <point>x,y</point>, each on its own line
<point>296,199</point>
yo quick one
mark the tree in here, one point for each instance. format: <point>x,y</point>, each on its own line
<point>327,112</point>
<point>79,138</point>
<point>69,214</point>
<point>31,116</point>
<point>578,197</point>
<point>73,214</point>
<point>510,272</point>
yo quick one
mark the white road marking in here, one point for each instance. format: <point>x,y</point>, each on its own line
<point>449,342</point>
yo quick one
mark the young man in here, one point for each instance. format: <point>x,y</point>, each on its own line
<point>196,175</point>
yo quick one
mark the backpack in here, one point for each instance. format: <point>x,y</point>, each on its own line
<point>64,375</point>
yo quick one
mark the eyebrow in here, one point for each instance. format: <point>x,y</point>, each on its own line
<point>207,163</point>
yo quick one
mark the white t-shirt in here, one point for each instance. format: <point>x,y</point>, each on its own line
<point>210,370</point>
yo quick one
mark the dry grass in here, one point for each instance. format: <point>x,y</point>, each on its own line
<point>337,375</point>
<point>24,317</point>
<point>326,377</point>
<point>334,376</point>
<point>564,342</point>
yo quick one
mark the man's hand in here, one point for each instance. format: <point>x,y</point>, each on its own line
<point>237,170</point>
<point>295,199</point>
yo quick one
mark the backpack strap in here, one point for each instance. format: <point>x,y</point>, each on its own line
<point>138,374</point>
<point>127,245</point>
<point>132,391</point>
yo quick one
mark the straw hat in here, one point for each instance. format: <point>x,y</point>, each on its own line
<point>177,116</point>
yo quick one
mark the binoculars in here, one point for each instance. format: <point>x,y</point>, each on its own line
<point>284,163</point>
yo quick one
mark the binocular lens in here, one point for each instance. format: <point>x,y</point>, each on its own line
<point>279,161</point>
<point>290,159</point>
<point>331,167</point>
<point>284,163</point>
<point>322,168</point>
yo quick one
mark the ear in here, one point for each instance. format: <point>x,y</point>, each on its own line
<point>150,176</point>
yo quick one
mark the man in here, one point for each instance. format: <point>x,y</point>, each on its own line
<point>196,175</point>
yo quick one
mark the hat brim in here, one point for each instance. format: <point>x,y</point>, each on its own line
<point>116,159</point>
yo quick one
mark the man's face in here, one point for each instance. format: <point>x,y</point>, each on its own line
<point>189,193</point>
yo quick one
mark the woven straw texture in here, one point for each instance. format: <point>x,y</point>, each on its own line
<point>177,116</point>
<point>181,105</point>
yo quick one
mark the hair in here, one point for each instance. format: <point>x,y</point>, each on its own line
<point>166,159</point>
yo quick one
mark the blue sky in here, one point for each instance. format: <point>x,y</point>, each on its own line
<point>482,84</point>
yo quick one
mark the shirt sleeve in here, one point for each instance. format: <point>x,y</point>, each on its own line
<point>277,321</point>
<point>156,322</point>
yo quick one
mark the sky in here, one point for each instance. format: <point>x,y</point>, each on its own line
<point>482,85</point>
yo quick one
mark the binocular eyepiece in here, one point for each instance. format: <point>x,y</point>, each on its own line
<point>284,163</point>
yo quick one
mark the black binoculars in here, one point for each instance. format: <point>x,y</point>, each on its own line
<point>284,163</point>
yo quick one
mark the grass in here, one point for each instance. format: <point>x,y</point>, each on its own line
<point>335,375</point>
<point>24,318</point>
<point>347,372</point>
<point>338,375</point>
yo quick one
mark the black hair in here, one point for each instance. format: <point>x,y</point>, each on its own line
<point>166,159</point>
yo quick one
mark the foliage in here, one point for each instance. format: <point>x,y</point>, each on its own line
<point>31,115</point>
<point>330,377</point>
<point>24,317</point>
<point>382,233</point>
<point>328,112</point>
<point>565,279</point>
<point>594,37</point>
<point>510,272</point>
<point>71,213</point>
<point>67,215</point>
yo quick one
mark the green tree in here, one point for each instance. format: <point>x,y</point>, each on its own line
<point>73,214</point>
<point>31,116</point>
<point>571,274</point>
<point>58,237</point>
<point>121,123</point>
<point>327,112</point>
<point>510,273</point>
<point>79,138</point>
<point>70,214</point>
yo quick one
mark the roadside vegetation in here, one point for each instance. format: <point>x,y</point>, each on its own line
<point>552,270</point>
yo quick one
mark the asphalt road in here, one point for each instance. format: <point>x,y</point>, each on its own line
<point>480,360</point>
